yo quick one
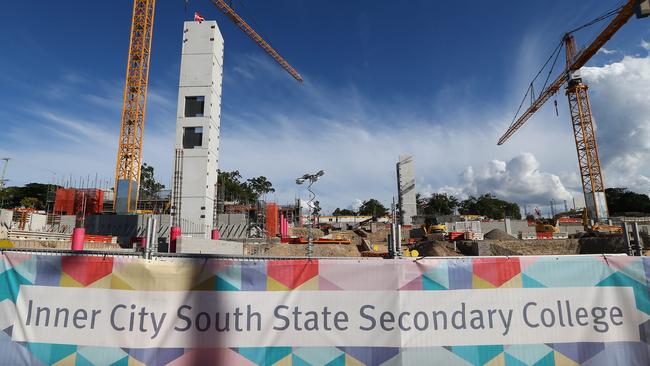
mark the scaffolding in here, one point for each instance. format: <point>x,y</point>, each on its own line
<point>177,188</point>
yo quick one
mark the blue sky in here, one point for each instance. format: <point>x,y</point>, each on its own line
<point>439,80</point>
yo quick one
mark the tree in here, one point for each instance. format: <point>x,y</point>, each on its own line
<point>30,202</point>
<point>12,196</point>
<point>316,208</point>
<point>260,186</point>
<point>243,192</point>
<point>149,187</point>
<point>622,200</point>
<point>343,212</point>
<point>372,207</point>
<point>439,204</point>
<point>490,206</point>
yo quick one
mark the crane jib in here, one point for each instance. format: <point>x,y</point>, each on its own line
<point>625,13</point>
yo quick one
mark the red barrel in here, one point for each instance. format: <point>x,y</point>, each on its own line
<point>174,233</point>
<point>78,236</point>
<point>215,234</point>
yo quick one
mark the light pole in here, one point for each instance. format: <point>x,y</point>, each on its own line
<point>311,178</point>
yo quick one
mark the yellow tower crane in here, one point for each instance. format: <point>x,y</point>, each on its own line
<point>593,184</point>
<point>129,152</point>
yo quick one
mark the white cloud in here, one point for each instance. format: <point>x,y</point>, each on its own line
<point>645,45</point>
<point>620,97</point>
<point>356,204</point>
<point>606,51</point>
<point>518,179</point>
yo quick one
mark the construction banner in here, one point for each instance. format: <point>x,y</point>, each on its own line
<point>123,310</point>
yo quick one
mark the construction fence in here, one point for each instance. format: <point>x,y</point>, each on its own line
<point>120,309</point>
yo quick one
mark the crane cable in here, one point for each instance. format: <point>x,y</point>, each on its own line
<point>555,55</point>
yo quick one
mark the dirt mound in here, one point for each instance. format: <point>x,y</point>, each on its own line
<point>498,234</point>
<point>304,232</point>
<point>435,249</point>
<point>300,250</point>
<point>535,247</point>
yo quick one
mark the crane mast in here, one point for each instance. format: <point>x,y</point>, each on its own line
<point>591,174</point>
<point>129,153</point>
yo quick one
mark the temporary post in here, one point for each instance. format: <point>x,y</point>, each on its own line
<point>626,239</point>
<point>637,239</point>
<point>174,233</point>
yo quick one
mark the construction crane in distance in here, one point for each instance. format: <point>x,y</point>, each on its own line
<point>250,32</point>
<point>129,153</point>
<point>585,138</point>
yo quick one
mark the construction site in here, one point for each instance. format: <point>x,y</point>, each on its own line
<point>198,219</point>
<point>194,216</point>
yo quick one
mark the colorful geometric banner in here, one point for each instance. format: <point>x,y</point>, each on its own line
<point>58,309</point>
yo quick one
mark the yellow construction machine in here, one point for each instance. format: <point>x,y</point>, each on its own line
<point>431,226</point>
<point>598,227</point>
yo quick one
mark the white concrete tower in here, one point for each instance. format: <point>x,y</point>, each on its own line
<point>406,190</point>
<point>198,124</point>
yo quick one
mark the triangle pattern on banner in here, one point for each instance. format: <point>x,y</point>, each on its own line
<point>478,282</point>
<point>317,355</point>
<point>579,352</point>
<point>67,281</point>
<point>72,361</point>
<point>86,270</point>
<point>514,282</point>
<point>206,285</point>
<point>371,356</point>
<point>326,285</point>
<point>273,285</point>
<point>414,285</point>
<point>223,285</point>
<point>50,353</point>
<point>496,271</point>
<point>528,282</point>
<point>309,285</point>
<point>292,273</point>
<point>27,269</point>
<point>431,285</point>
<point>265,355</point>
<point>478,355</point>
<point>118,284</point>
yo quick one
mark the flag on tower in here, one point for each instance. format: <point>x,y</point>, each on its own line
<point>198,17</point>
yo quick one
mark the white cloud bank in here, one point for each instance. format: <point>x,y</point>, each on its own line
<point>518,179</point>
<point>620,97</point>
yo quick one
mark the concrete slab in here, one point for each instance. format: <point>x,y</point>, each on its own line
<point>207,246</point>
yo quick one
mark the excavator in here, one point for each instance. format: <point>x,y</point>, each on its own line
<point>432,226</point>
<point>552,225</point>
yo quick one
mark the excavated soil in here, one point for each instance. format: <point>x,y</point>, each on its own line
<point>304,232</point>
<point>534,247</point>
<point>300,250</point>
<point>498,234</point>
<point>435,249</point>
